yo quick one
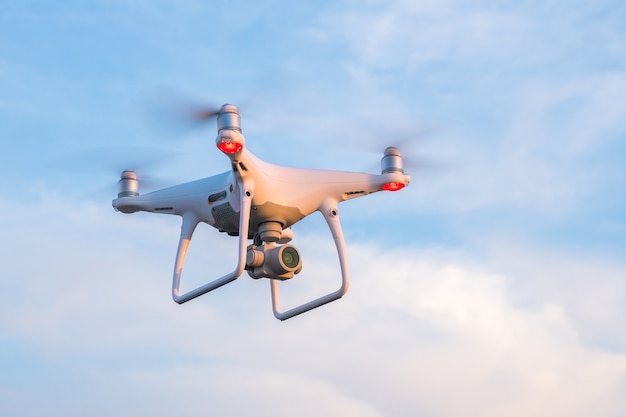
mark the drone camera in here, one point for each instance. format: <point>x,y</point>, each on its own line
<point>285,259</point>
<point>272,261</point>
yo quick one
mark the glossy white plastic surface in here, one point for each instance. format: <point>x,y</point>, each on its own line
<point>253,192</point>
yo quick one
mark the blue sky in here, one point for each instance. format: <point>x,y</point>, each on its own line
<point>494,285</point>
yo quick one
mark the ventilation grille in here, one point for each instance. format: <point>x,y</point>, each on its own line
<point>226,219</point>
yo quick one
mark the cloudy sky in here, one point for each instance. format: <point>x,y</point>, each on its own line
<point>494,285</point>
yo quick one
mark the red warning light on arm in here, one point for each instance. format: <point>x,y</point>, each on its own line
<point>230,147</point>
<point>392,186</point>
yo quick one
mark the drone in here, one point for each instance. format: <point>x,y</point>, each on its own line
<point>259,202</point>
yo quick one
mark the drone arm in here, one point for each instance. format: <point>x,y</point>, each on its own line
<point>330,213</point>
<point>190,221</point>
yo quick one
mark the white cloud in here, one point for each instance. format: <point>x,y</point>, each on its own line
<point>233,390</point>
<point>528,95</point>
<point>421,331</point>
<point>519,331</point>
<point>409,35</point>
<point>485,349</point>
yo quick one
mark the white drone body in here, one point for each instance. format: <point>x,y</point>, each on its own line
<point>259,201</point>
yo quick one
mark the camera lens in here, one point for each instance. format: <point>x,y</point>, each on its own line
<point>290,257</point>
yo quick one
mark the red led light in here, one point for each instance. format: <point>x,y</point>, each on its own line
<point>393,186</point>
<point>230,147</point>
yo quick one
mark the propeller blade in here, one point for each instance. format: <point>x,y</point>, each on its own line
<point>104,164</point>
<point>410,147</point>
<point>204,114</point>
<point>178,112</point>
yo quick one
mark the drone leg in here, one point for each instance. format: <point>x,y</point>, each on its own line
<point>331,214</point>
<point>189,225</point>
